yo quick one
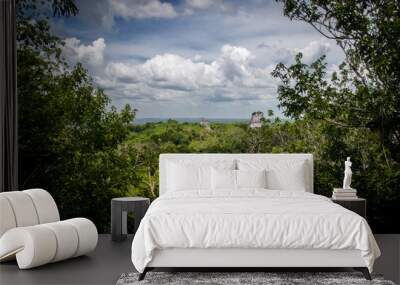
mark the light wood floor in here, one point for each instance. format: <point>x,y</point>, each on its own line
<point>110,260</point>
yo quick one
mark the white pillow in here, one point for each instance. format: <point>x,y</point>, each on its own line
<point>193,174</point>
<point>223,179</point>
<point>251,178</point>
<point>281,174</point>
<point>188,177</point>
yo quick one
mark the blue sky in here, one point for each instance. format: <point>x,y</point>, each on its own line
<point>190,58</point>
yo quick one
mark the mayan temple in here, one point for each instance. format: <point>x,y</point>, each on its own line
<point>205,123</point>
<point>256,119</point>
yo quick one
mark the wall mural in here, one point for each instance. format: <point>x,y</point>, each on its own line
<point>106,86</point>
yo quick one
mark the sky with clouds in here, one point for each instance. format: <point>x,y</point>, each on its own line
<point>189,58</point>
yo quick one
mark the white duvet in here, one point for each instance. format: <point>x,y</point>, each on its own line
<point>250,219</point>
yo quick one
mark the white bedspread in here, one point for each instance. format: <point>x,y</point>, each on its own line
<point>250,219</point>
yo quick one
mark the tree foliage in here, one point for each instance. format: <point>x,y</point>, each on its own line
<point>356,109</point>
<point>330,145</point>
<point>70,141</point>
<point>364,93</point>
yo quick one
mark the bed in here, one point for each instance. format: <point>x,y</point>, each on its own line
<point>247,211</point>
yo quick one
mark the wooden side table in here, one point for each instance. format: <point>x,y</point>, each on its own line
<point>119,215</point>
<point>357,205</point>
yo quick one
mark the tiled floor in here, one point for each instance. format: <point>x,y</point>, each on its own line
<point>110,260</point>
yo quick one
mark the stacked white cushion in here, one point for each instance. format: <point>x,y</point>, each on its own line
<point>32,246</point>
<point>45,205</point>
<point>7,220</point>
<point>188,177</point>
<point>223,179</point>
<point>23,208</point>
<point>287,181</point>
<point>66,236</point>
<point>31,232</point>
<point>87,234</point>
<point>281,174</point>
<point>226,179</point>
<point>194,175</point>
<point>251,178</point>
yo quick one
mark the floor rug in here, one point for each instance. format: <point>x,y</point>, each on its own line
<point>244,278</point>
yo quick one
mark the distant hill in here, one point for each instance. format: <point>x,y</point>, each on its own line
<point>141,121</point>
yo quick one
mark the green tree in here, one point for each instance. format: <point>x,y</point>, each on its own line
<point>70,140</point>
<point>356,110</point>
<point>365,92</point>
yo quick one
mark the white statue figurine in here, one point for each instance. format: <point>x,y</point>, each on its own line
<point>347,174</point>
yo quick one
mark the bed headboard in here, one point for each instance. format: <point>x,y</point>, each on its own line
<point>165,157</point>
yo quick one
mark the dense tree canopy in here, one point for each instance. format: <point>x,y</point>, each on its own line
<point>70,141</point>
<point>330,145</point>
<point>364,93</point>
<point>357,107</point>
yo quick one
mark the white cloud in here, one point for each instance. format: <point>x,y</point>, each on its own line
<point>234,74</point>
<point>314,50</point>
<point>101,14</point>
<point>167,71</point>
<point>179,59</point>
<point>143,9</point>
<point>216,5</point>
<point>92,54</point>
<point>233,68</point>
<point>235,63</point>
<point>197,57</point>
<point>311,51</point>
<point>199,4</point>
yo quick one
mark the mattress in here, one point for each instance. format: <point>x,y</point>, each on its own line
<point>250,219</point>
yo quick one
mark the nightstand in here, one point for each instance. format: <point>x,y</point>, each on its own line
<point>119,215</point>
<point>357,205</point>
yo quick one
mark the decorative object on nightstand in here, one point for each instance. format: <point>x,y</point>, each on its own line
<point>357,205</point>
<point>119,215</point>
<point>345,193</point>
<point>347,196</point>
<point>347,174</point>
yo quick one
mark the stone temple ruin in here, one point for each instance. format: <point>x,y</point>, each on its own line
<point>256,119</point>
<point>205,124</point>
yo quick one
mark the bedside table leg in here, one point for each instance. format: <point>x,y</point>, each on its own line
<point>118,222</point>
<point>364,271</point>
<point>142,275</point>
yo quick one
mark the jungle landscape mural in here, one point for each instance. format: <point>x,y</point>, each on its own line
<point>105,86</point>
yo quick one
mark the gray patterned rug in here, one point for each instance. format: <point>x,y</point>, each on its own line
<point>269,278</point>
